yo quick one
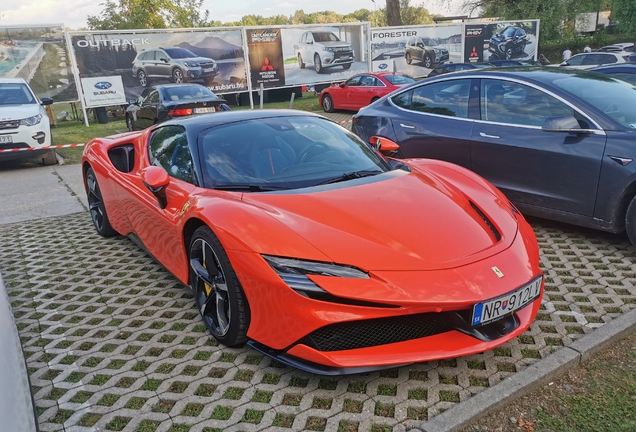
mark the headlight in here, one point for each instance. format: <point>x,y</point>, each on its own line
<point>437,51</point>
<point>191,64</point>
<point>31,121</point>
<point>330,49</point>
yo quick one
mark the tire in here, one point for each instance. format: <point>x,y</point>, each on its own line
<point>318,64</point>
<point>327,103</point>
<point>300,61</point>
<point>96,205</point>
<point>630,221</point>
<point>227,316</point>
<point>373,99</point>
<point>428,62</point>
<point>177,76</point>
<point>49,158</point>
<point>508,53</point>
<point>409,59</point>
<point>347,66</point>
<point>143,79</point>
<point>130,125</point>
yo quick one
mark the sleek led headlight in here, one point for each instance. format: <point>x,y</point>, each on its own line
<point>31,121</point>
<point>191,64</point>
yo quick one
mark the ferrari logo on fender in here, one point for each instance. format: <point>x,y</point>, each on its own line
<point>185,207</point>
<point>498,272</point>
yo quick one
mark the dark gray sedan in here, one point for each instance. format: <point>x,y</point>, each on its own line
<point>559,143</point>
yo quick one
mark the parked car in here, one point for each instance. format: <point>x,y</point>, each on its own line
<point>507,43</point>
<point>24,123</point>
<point>425,50</point>
<point>559,143</point>
<point>513,63</point>
<point>228,203</point>
<point>176,64</point>
<point>618,47</point>
<point>159,103</point>
<point>454,67</point>
<point>324,50</point>
<point>361,90</point>
<point>594,59</point>
<point>626,71</point>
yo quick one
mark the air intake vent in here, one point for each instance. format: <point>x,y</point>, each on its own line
<point>487,221</point>
<point>123,157</point>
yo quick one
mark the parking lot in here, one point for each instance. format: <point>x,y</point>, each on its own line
<point>114,342</point>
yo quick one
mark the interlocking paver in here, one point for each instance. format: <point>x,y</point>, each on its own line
<point>114,342</point>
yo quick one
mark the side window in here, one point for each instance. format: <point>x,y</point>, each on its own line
<point>577,60</point>
<point>353,81</point>
<point>514,103</point>
<point>169,149</point>
<point>367,81</point>
<point>448,98</point>
<point>403,100</point>
<point>607,58</point>
<point>144,95</point>
<point>153,98</point>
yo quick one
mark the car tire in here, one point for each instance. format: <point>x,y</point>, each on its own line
<point>219,297</point>
<point>630,221</point>
<point>130,125</point>
<point>428,62</point>
<point>318,64</point>
<point>177,76</point>
<point>409,59</point>
<point>300,62</point>
<point>373,99</point>
<point>49,158</point>
<point>96,205</point>
<point>508,53</point>
<point>347,66</point>
<point>327,103</point>
<point>142,78</point>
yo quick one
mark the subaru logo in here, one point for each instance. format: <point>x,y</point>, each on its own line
<point>103,85</point>
<point>383,66</point>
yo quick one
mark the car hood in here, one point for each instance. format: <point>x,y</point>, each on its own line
<point>18,112</point>
<point>196,59</point>
<point>394,221</point>
<point>334,44</point>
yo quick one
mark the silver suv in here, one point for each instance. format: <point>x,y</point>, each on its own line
<point>324,49</point>
<point>176,64</point>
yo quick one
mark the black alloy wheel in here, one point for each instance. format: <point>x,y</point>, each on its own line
<point>96,205</point>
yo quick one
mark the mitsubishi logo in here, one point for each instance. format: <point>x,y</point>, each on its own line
<point>498,272</point>
<point>267,66</point>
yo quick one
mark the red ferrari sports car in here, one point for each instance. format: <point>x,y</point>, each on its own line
<point>361,90</point>
<point>312,246</point>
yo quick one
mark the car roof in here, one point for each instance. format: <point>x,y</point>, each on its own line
<point>4,80</point>
<point>621,67</point>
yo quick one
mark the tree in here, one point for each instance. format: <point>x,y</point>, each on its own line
<point>148,14</point>
<point>412,15</point>
<point>393,13</point>
<point>624,11</point>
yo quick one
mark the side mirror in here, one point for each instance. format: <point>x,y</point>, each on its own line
<point>563,123</point>
<point>156,179</point>
<point>163,59</point>
<point>342,85</point>
<point>47,101</point>
<point>384,145</point>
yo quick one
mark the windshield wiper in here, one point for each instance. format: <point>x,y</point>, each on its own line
<point>249,187</point>
<point>350,176</point>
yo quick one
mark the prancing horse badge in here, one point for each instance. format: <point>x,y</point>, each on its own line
<point>498,272</point>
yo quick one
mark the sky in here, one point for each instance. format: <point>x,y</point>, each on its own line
<point>73,13</point>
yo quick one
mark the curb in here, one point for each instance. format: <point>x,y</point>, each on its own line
<point>534,376</point>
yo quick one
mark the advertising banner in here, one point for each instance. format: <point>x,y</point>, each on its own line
<point>415,50</point>
<point>309,54</point>
<point>211,57</point>
<point>505,40</point>
<point>38,54</point>
<point>103,91</point>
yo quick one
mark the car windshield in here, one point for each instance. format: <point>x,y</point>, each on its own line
<point>15,94</point>
<point>183,92</point>
<point>616,98</point>
<point>179,53</point>
<point>283,153</point>
<point>430,42</point>
<point>399,79</point>
<point>508,32</point>
<point>325,37</point>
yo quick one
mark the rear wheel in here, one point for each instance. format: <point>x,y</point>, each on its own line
<point>217,291</point>
<point>96,205</point>
<point>143,79</point>
<point>374,99</point>
<point>327,103</point>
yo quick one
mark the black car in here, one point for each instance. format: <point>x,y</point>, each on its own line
<point>559,143</point>
<point>508,42</point>
<point>626,71</point>
<point>454,67</point>
<point>508,63</point>
<point>164,102</point>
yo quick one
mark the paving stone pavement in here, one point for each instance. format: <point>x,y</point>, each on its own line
<point>114,342</point>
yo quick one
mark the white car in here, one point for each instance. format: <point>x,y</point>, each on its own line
<point>323,49</point>
<point>24,123</point>
<point>594,59</point>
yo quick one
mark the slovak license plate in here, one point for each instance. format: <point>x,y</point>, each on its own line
<point>6,139</point>
<point>490,310</point>
<point>204,110</point>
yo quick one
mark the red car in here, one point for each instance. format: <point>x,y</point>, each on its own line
<point>361,90</point>
<point>314,248</point>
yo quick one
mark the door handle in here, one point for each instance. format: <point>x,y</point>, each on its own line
<point>488,136</point>
<point>407,126</point>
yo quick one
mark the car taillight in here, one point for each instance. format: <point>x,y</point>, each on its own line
<point>180,112</point>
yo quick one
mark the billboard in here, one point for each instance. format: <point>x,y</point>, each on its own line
<point>211,57</point>
<point>309,54</point>
<point>415,50</point>
<point>504,40</point>
<point>38,54</point>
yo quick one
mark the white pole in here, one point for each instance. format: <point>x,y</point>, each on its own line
<point>261,95</point>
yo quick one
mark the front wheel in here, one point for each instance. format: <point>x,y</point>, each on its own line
<point>508,53</point>
<point>409,59</point>
<point>217,291</point>
<point>318,64</point>
<point>346,66</point>
<point>630,221</point>
<point>96,205</point>
<point>300,61</point>
<point>177,76</point>
<point>327,103</point>
<point>143,79</point>
<point>428,62</point>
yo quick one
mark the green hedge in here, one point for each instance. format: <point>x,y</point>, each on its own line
<point>553,50</point>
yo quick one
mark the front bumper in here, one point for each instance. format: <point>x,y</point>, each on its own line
<point>337,58</point>
<point>199,73</point>
<point>25,137</point>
